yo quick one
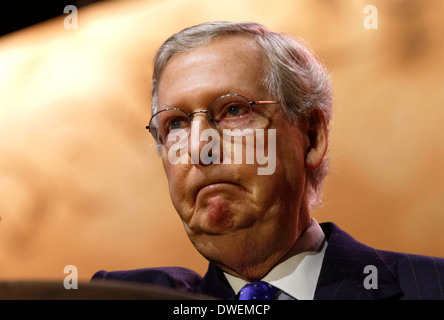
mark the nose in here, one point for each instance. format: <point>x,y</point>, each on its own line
<point>204,143</point>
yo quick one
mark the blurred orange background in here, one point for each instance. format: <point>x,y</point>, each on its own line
<point>81,183</point>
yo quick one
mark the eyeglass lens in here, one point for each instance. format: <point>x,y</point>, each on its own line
<point>226,112</point>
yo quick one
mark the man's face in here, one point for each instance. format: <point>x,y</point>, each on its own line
<point>230,213</point>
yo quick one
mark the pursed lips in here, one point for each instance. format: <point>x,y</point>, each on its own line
<point>214,184</point>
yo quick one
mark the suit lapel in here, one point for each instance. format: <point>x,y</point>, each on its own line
<point>215,284</point>
<point>342,274</point>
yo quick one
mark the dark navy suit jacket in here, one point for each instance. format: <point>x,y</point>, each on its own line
<point>342,276</point>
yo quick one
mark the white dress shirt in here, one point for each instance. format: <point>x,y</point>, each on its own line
<point>297,275</point>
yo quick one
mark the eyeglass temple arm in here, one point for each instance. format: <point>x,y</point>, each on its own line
<point>263,102</point>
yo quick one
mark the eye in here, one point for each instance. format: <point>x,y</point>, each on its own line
<point>173,119</point>
<point>176,123</point>
<point>236,110</point>
<point>230,111</point>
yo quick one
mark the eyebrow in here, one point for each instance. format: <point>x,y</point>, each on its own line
<point>215,95</point>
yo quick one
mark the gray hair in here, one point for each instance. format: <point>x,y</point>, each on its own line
<point>293,76</point>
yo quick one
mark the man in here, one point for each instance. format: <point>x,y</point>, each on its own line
<point>220,82</point>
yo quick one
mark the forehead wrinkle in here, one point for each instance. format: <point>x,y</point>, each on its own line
<point>209,64</point>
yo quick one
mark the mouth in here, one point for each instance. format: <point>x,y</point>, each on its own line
<point>216,186</point>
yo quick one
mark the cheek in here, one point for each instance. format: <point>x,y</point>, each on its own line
<point>175,177</point>
<point>178,176</point>
<point>290,162</point>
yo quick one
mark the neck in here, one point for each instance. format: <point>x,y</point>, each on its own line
<point>249,263</point>
<point>253,271</point>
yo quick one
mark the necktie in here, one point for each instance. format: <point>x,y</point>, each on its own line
<point>258,290</point>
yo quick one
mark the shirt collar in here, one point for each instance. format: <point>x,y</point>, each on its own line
<point>297,274</point>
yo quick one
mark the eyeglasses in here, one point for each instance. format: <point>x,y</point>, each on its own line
<point>231,111</point>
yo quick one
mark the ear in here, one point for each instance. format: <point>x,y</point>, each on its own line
<point>316,139</point>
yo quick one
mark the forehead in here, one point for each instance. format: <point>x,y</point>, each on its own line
<point>230,64</point>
